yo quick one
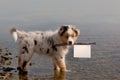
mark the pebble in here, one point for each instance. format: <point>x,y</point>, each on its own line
<point>5,62</point>
<point>6,57</point>
<point>3,75</point>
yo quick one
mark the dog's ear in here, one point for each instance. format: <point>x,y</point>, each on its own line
<point>62,30</point>
<point>76,30</point>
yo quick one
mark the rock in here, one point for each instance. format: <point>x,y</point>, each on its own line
<point>8,69</point>
<point>9,63</point>
<point>3,75</point>
<point>16,56</point>
<point>6,54</point>
<point>6,57</point>
<point>10,53</point>
<point>2,61</point>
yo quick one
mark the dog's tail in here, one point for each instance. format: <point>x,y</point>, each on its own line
<point>13,31</point>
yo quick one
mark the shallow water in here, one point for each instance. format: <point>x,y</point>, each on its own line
<point>104,64</point>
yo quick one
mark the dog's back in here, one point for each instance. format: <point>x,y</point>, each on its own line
<point>41,41</point>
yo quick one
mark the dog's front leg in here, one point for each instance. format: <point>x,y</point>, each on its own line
<point>59,63</point>
<point>56,67</point>
<point>62,66</point>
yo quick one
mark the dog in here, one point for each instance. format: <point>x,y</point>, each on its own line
<point>43,42</point>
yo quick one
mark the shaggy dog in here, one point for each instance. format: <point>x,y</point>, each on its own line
<point>43,42</point>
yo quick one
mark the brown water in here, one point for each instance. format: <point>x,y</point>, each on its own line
<point>104,64</point>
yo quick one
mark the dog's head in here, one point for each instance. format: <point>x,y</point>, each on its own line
<point>68,34</point>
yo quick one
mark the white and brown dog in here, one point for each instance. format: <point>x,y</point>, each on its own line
<point>43,43</point>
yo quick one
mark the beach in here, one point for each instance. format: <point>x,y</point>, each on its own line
<point>103,65</point>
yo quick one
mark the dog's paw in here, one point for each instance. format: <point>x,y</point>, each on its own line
<point>21,71</point>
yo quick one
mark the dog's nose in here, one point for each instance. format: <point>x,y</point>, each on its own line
<point>70,42</point>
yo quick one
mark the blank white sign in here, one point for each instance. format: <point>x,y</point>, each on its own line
<point>82,51</point>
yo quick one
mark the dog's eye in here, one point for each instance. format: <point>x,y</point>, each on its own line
<point>72,35</point>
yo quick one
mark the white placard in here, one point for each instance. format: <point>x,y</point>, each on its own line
<point>82,51</point>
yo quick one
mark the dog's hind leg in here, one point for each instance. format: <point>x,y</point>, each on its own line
<point>25,54</point>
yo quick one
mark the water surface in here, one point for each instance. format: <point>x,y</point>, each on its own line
<point>104,64</point>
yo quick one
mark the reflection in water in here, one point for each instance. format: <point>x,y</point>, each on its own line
<point>23,77</point>
<point>57,76</point>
